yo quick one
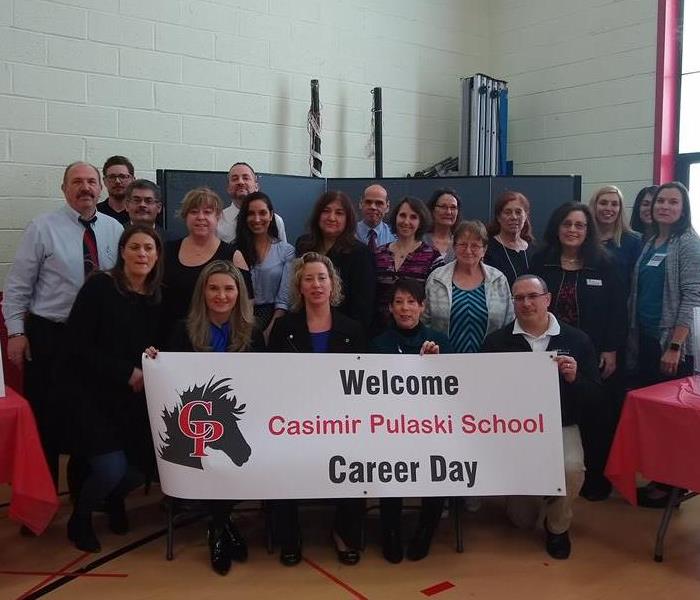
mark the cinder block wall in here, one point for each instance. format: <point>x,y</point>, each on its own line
<point>200,84</point>
<point>581,84</point>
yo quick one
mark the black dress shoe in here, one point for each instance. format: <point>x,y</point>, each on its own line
<point>239,547</point>
<point>558,544</point>
<point>596,490</point>
<point>654,497</point>
<point>116,516</point>
<point>81,533</point>
<point>419,546</point>
<point>392,546</point>
<point>347,556</point>
<point>290,554</point>
<point>219,550</point>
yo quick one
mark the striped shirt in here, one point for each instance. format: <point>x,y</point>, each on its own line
<point>417,265</point>
<point>468,318</point>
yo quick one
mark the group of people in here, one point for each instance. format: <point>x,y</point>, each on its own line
<point>85,297</point>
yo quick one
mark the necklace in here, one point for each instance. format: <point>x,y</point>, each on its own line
<point>510,262</point>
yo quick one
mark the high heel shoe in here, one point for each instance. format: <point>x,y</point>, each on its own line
<point>239,547</point>
<point>81,533</point>
<point>347,556</point>
<point>219,549</point>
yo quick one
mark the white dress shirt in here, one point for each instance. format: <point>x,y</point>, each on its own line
<point>48,270</point>
<point>226,228</point>
<point>539,343</point>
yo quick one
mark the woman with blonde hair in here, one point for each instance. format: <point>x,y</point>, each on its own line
<point>185,258</point>
<point>220,319</point>
<point>607,206</point>
<point>316,325</point>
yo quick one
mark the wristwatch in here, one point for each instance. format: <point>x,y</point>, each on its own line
<point>675,346</point>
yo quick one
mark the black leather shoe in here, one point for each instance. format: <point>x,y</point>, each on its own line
<point>116,516</point>
<point>597,490</point>
<point>392,546</point>
<point>558,544</point>
<point>347,556</point>
<point>239,547</point>
<point>419,546</point>
<point>290,555</point>
<point>81,533</point>
<point>648,499</point>
<point>219,550</point>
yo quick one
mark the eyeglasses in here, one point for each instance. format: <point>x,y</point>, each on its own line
<point>577,225</point>
<point>474,246</point>
<point>530,297</point>
<point>447,208</point>
<point>118,177</point>
<point>146,201</point>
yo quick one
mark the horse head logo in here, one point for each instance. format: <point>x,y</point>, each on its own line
<point>206,417</point>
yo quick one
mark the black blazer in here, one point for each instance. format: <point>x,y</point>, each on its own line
<point>600,298</point>
<point>585,387</point>
<point>291,334</point>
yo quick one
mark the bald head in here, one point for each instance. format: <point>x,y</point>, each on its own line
<point>374,205</point>
<point>78,163</point>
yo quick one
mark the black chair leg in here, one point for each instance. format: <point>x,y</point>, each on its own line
<point>457,514</point>
<point>269,530</point>
<point>169,536</point>
<point>663,526</point>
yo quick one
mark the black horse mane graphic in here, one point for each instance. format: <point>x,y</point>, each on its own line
<point>178,448</point>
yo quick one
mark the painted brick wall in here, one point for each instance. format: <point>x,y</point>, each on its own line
<point>581,87</point>
<point>201,84</point>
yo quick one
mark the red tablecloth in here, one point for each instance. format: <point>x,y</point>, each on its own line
<point>23,466</point>
<point>659,437</point>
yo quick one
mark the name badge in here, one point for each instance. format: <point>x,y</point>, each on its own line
<point>595,282</point>
<point>656,260</point>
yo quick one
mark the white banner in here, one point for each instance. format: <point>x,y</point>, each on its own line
<point>250,426</point>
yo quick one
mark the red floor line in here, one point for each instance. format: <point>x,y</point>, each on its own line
<point>63,573</point>
<point>333,578</point>
<point>52,577</point>
<point>437,588</point>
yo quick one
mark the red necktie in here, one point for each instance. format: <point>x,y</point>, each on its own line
<point>90,258</point>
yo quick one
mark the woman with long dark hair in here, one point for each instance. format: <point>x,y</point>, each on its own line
<point>511,242</point>
<point>220,319</point>
<point>445,209</point>
<point>665,289</point>
<point>114,317</point>
<point>332,228</point>
<point>268,258</point>
<point>407,256</point>
<point>588,293</point>
<point>640,220</point>
<point>316,325</point>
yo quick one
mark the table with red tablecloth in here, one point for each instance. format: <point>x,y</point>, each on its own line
<point>23,465</point>
<point>658,436</point>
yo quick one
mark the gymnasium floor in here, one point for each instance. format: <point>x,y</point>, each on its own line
<point>612,549</point>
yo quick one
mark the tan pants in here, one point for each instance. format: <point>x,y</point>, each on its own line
<point>524,511</point>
